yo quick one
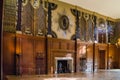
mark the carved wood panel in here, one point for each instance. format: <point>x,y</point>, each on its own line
<point>27,56</point>
<point>113,57</point>
<point>90,57</point>
<point>81,57</point>
<point>40,55</point>
<point>32,51</point>
<point>98,48</point>
<point>84,56</point>
<point>8,54</point>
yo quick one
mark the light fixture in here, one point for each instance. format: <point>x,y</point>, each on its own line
<point>118,42</point>
<point>95,41</point>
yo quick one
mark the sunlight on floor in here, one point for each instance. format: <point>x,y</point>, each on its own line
<point>65,79</point>
<point>113,74</point>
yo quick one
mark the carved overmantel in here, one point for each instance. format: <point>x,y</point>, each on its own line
<point>59,48</point>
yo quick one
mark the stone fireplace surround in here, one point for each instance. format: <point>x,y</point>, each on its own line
<point>69,62</point>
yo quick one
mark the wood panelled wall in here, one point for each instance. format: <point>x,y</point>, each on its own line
<point>32,52</point>
<point>117,34</point>
<point>26,54</point>
<point>8,54</point>
<point>58,48</point>
<point>90,54</point>
<point>113,55</point>
<point>84,52</point>
<point>118,51</point>
<point>101,55</point>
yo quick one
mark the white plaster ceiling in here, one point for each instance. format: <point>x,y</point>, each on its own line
<point>110,8</point>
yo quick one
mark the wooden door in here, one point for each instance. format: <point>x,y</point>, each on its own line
<point>101,59</point>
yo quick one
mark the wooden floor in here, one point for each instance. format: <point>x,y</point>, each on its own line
<point>99,75</point>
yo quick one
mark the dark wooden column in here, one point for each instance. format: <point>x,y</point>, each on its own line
<point>76,13</point>
<point>108,45</point>
<point>77,35</point>
<point>18,27</point>
<point>93,57</point>
<point>94,19</point>
<point>50,6</point>
<point>49,18</point>
<point>1,61</point>
<point>77,24</point>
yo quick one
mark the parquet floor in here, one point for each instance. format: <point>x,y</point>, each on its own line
<point>99,75</point>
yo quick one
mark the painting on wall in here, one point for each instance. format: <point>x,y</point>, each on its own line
<point>82,24</point>
<point>111,33</point>
<point>102,31</point>
<point>10,16</point>
<point>90,29</point>
<point>27,18</point>
<point>32,14</point>
<point>64,25</point>
<point>40,25</point>
<point>63,22</point>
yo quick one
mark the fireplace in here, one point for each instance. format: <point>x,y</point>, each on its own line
<point>63,65</point>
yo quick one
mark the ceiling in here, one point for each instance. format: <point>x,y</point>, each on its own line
<point>110,8</point>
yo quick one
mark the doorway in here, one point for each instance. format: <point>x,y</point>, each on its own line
<point>101,59</point>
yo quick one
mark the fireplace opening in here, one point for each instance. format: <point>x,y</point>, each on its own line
<point>63,66</point>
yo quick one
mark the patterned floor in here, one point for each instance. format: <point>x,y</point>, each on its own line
<point>100,75</point>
